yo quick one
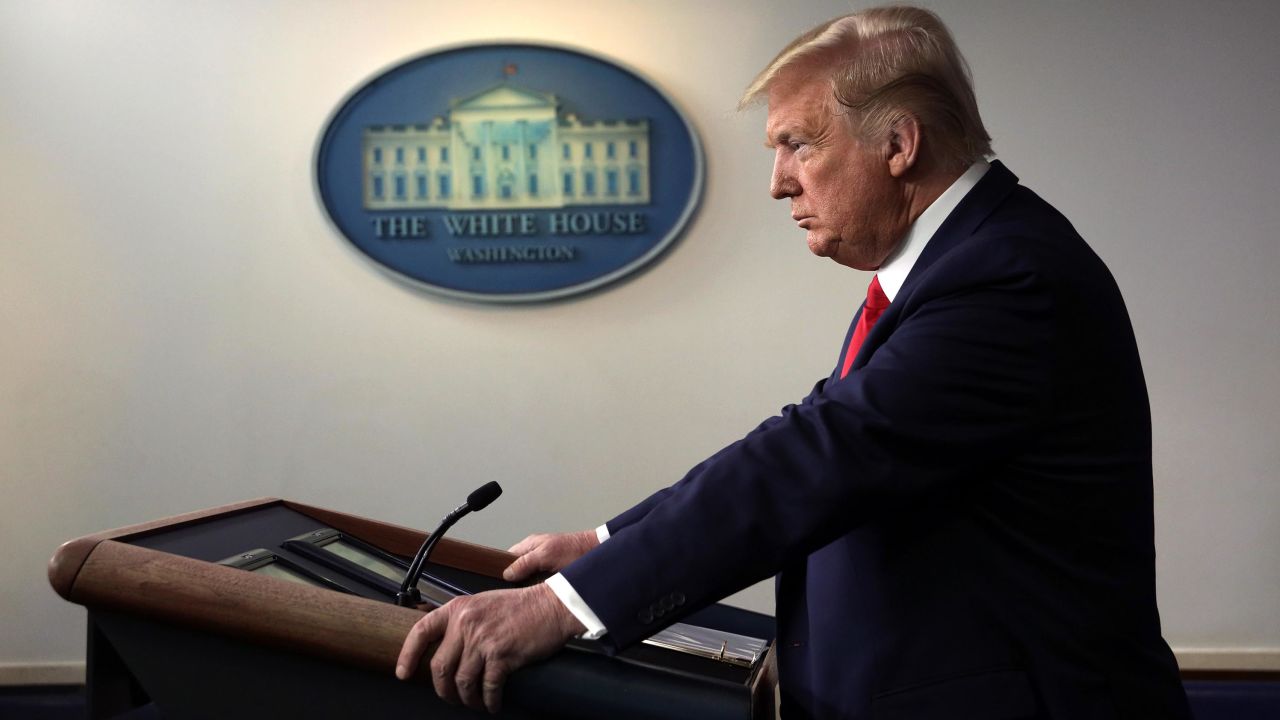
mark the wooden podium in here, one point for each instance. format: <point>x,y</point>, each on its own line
<point>169,626</point>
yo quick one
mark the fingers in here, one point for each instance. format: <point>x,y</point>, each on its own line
<point>547,553</point>
<point>471,668</point>
<point>522,568</point>
<point>424,632</point>
<point>462,670</point>
<point>444,667</point>
<point>532,551</point>
<point>480,639</point>
<point>526,544</point>
<point>495,675</point>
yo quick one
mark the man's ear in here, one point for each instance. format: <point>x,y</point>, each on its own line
<point>903,145</point>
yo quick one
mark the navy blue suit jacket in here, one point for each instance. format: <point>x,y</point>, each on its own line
<point>961,527</point>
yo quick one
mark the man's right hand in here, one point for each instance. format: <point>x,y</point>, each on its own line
<point>548,553</point>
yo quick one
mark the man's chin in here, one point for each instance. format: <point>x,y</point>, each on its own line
<point>822,247</point>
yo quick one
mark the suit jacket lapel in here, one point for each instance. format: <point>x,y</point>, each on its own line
<point>844,346</point>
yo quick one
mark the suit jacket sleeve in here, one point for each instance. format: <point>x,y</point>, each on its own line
<point>638,511</point>
<point>950,380</point>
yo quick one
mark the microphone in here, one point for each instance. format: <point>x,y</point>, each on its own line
<point>479,499</point>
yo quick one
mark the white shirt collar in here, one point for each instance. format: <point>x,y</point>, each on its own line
<point>895,270</point>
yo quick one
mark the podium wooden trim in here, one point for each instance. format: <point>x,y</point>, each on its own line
<point>107,574</point>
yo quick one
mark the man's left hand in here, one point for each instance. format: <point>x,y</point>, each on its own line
<point>483,638</point>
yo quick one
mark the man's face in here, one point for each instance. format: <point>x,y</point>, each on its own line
<point>840,188</point>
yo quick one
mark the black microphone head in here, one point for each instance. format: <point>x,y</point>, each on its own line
<point>483,495</point>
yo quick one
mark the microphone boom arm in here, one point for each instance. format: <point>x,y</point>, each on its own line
<point>409,595</point>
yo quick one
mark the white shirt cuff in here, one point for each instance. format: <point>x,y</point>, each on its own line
<point>602,533</point>
<point>577,606</point>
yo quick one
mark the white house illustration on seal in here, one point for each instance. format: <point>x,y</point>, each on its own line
<point>506,148</point>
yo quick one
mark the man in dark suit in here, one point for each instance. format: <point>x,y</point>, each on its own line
<point>960,516</point>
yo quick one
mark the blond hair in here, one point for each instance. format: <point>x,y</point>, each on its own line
<point>888,62</point>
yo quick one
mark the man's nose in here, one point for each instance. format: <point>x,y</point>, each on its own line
<point>782,184</point>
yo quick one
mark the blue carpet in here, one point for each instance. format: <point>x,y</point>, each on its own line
<point>42,703</point>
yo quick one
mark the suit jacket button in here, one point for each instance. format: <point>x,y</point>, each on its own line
<point>667,604</point>
<point>645,616</point>
<point>677,598</point>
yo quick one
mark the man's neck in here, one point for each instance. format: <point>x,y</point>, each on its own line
<point>923,192</point>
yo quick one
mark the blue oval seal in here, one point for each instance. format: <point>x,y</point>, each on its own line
<point>509,172</point>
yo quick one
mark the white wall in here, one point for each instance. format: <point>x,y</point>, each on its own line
<point>180,327</point>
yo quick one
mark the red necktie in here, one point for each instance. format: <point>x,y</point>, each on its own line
<point>877,302</point>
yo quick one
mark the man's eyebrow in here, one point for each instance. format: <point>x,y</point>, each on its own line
<point>780,139</point>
